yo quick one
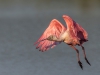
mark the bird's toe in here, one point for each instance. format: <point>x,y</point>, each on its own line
<point>87,61</point>
<point>80,64</point>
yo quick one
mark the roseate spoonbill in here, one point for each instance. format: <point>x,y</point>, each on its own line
<point>56,33</point>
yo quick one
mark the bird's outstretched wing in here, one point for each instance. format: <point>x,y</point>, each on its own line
<point>55,28</point>
<point>80,32</point>
<point>76,29</point>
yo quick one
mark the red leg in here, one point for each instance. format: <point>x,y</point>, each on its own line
<point>78,58</point>
<point>85,55</point>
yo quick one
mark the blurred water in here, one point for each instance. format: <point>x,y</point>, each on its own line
<point>22,23</point>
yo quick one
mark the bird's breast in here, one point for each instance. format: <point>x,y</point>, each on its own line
<point>66,37</point>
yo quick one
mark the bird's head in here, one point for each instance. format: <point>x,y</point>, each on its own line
<point>51,38</point>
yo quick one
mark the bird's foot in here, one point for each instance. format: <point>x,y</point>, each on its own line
<point>87,61</point>
<point>80,64</point>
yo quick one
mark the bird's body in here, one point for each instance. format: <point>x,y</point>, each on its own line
<point>68,39</point>
<point>56,33</point>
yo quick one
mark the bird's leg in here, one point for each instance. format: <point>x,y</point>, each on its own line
<point>85,55</point>
<point>54,38</point>
<point>79,62</point>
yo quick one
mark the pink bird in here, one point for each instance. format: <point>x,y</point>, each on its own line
<point>56,33</point>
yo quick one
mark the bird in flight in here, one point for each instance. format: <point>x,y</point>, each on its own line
<point>56,33</point>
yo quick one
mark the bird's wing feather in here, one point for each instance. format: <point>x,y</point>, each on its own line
<point>55,28</point>
<point>75,28</point>
<point>79,31</point>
